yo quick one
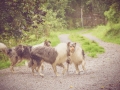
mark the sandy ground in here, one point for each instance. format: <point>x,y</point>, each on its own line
<point>102,73</point>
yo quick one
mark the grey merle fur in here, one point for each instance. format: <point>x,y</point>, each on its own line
<point>48,54</point>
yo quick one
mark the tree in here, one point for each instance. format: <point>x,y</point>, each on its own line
<point>114,12</point>
<point>17,15</point>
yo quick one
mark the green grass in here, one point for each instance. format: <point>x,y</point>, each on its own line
<point>108,33</point>
<point>53,38</point>
<point>6,63</point>
<point>91,48</point>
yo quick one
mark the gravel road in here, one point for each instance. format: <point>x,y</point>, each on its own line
<point>102,73</point>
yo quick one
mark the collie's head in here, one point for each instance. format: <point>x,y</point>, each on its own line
<point>71,48</point>
<point>47,43</point>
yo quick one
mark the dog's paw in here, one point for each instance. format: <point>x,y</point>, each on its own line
<point>41,74</point>
<point>34,74</point>
<point>78,73</point>
<point>64,71</point>
<point>57,75</point>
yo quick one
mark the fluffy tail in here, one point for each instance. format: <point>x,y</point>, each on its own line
<point>34,60</point>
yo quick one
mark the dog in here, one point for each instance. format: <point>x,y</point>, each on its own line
<point>20,52</point>
<point>36,66</point>
<point>77,56</point>
<point>55,56</point>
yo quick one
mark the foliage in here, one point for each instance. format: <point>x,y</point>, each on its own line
<point>108,33</point>
<point>58,6</point>
<point>90,8</point>
<point>113,13</point>
<point>54,22</point>
<point>17,15</point>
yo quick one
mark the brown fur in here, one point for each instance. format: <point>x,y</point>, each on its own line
<point>47,53</point>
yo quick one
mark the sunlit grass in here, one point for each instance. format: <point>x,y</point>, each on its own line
<point>108,33</point>
<point>90,47</point>
<point>6,63</point>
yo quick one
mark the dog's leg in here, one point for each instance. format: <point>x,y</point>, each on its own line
<point>19,61</point>
<point>77,69</point>
<point>33,67</point>
<point>12,69</point>
<point>39,71</point>
<point>42,66</point>
<point>83,66</point>
<point>64,68</point>
<point>54,68</point>
<point>67,67</point>
<point>68,62</point>
<point>13,63</point>
<point>36,69</point>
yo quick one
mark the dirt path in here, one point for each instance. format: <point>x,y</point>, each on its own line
<point>103,73</point>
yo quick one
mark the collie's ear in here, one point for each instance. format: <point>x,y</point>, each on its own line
<point>68,44</point>
<point>49,41</point>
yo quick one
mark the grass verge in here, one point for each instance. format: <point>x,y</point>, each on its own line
<point>108,33</point>
<point>90,47</point>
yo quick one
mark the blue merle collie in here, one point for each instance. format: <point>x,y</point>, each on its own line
<point>20,52</point>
